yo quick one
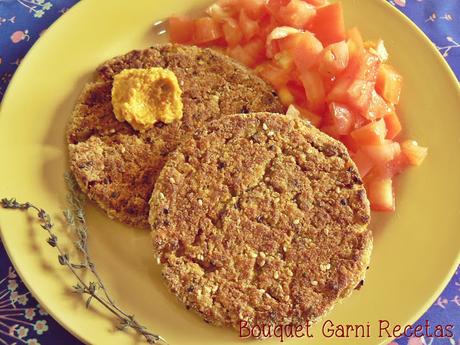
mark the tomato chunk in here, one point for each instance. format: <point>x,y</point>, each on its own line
<point>273,74</point>
<point>277,34</point>
<point>381,195</point>
<point>284,60</point>
<point>296,13</point>
<point>355,41</point>
<point>219,13</point>
<point>415,154</point>
<point>313,118</point>
<point>398,164</point>
<point>354,87</point>
<point>298,91</point>
<point>373,133</point>
<point>378,108</point>
<point>238,53</point>
<point>341,118</point>
<point>360,121</point>
<point>324,73</point>
<point>382,153</point>
<point>274,6</point>
<point>328,24</point>
<point>300,113</point>
<point>181,29</point>
<point>318,3</point>
<point>389,84</point>
<point>305,49</point>
<point>250,54</point>
<point>249,27</point>
<point>393,125</point>
<point>363,162</point>
<point>286,96</point>
<point>334,59</point>
<point>378,48</point>
<point>314,89</point>
<point>255,9</point>
<point>207,30</point>
<point>350,143</point>
<point>232,32</point>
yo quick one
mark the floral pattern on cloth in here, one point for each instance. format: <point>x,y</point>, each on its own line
<point>440,20</point>
<point>23,321</point>
<point>22,318</point>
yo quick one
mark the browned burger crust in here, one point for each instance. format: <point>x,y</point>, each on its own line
<point>117,166</point>
<point>261,218</point>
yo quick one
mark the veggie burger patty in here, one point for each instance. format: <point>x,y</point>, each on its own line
<point>261,218</point>
<point>117,166</point>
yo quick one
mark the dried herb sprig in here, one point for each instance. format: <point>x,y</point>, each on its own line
<point>76,220</point>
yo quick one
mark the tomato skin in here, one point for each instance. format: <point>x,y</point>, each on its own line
<point>207,30</point>
<point>381,195</point>
<point>413,152</point>
<point>334,59</point>
<point>232,32</point>
<point>389,84</point>
<point>296,14</point>
<point>314,90</point>
<point>328,24</point>
<point>393,125</point>
<point>181,29</point>
<point>304,47</point>
<point>373,133</point>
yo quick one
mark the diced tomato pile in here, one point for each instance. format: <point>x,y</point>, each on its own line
<point>323,72</point>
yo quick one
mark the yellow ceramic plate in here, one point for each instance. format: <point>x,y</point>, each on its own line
<point>416,249</point>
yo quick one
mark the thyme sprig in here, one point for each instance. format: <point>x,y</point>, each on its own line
<point>95,290</point>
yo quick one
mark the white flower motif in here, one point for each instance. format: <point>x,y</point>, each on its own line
<point>12,284</point>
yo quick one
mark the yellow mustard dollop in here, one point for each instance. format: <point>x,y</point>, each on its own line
<point>143,97</point>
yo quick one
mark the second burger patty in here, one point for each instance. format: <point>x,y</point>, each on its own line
<point>117,166</point>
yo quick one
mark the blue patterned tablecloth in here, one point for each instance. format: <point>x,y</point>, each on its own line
<point>23,321</point>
